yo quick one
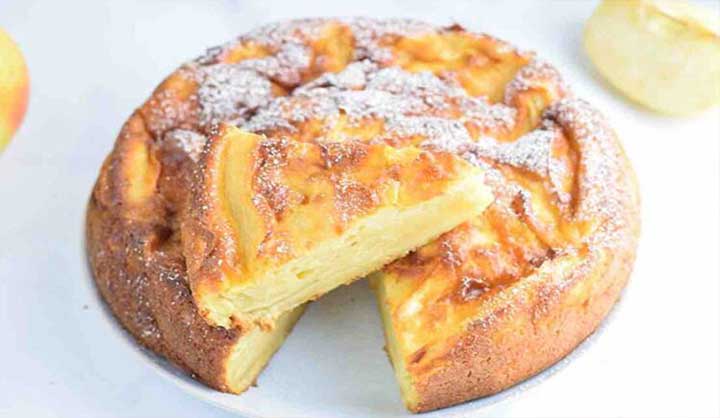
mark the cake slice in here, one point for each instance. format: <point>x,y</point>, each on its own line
<point>488,305</point>
<point>505,295</point>
<point>274,223</point>
<point>441,305</point>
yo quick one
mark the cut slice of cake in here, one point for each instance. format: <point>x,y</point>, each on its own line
<point>276,222</point>
<point>441,304</point>
<point>507,294</point>
<point>488,305</point>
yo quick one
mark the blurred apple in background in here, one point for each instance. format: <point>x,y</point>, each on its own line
<point>14,88</point>
<point>664,54</point>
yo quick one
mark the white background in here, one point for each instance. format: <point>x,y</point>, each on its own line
<point>92,62</point>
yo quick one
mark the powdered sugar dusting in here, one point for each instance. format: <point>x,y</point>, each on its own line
<point>286,66</point>
<point>233,92</point>
<point>492,117</point>
<point>530,152</point>
<point>438,133</point>
<point>352,77</point>
<point>369,32</point>
<point>604,189</point>
<point>394,95</point>
<point>376,103</point>
<point>229,92</point>
<point>537,73</point>
<point>191,142</point>
<point>274,35</point>
<point>423,84</point>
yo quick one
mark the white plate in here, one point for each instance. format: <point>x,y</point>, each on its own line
<point>331,366</point>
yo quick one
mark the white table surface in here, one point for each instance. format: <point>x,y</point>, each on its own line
<point>92,62</point>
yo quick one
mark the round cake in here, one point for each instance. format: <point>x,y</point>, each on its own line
<point>480,303</point>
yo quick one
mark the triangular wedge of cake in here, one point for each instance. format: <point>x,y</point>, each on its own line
<point>507,294</point>
<point>276,222</point>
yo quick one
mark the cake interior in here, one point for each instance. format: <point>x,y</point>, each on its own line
<point>253,351</point>
<point>365,247</point>
<point>392,344</point>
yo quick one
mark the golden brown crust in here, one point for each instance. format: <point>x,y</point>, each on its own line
<point>524,336</point>
<point>134,253</point>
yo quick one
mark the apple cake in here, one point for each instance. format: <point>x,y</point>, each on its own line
<point>496,214</point>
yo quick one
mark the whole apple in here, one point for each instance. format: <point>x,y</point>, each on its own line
<point>14,88</point>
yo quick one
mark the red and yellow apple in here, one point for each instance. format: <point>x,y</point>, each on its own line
<point>14,88</point>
